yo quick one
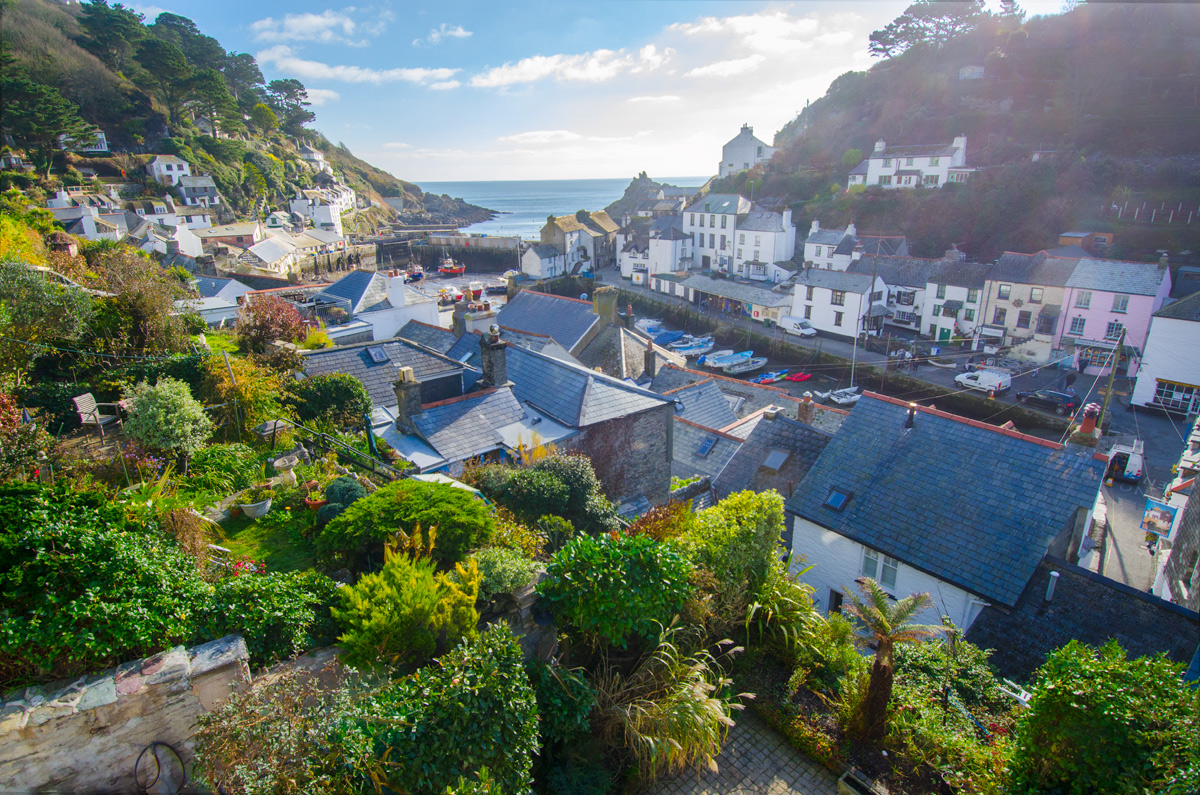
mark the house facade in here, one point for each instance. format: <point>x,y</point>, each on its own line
<point>711,222</point>
<point>726,296</point>
<point>1023,300</point>
<point>198,191</point>
<point>1104,298</point>
<point>382,300</point>
<point>763,239</point>
<point>664,248</point>
<point>587,240</point>
<point>906,167</point>
<point>243,235</point>
<point>743,152</point>
<point>906,279</point>
<point>1169,376</point>
<point>837,303</point>
<point>167,169</point>
<point>543,262</point>
<point>836,249</point>
<point>875,505</point>
<point>952,305</point>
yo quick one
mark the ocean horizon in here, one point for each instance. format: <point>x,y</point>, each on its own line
<point>522,205</point>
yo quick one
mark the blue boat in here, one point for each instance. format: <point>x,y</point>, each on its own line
<point>726,360</point>
<point>668,337</point>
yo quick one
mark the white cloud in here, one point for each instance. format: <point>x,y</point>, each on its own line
<point>542,137</point>
<point>150,12</point>
<point>319,96</point>
<point>397,145</point>
<point>327,27</point>
<point>445,85</point>
<point>285,60</point>
<point>736,66</point>
<point>443,32</point>
<point>663,98</point>
<point>768,31</point>
<point>589,67</point>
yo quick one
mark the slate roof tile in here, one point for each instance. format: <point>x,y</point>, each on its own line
<point>378,377</point>
<point>1183,309</point>
<point>974,505</point>
<point>464,427</point>
<point>703,403</point>
<point>566,320</point>
<point>434,337</point>
<point>1132,278</point>
<point>688,440</point>
<point>801,443</point>
<point>896,271</point>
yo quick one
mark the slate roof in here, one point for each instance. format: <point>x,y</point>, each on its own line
<point>727,203</point>
<point>196,182</point>
<point>210,287</point>
<point>601,220</point>
<point>843,281</point>
<point>464,427</point>
<point>973,505</point>
<point>571,394</point>
<point>861,168</point>
<point>760,221</point>
<point>688,440</point>
<point>546,252</point>
<point>826,237</point>
<point>801,443</point>
<point>367,292</point>
<point>897,271</point>
<point>378,377</point>
<point>884,245</point>
<point>566,320</point>
<point>971,275</point>
<point>1114,276</point>
<point>924,150</point>
<point>620,353</point>
<point>703,403</point>
<point>1039,268</point>
<point>1085,607</point>
<point>736,291</point>
<point>433,337</point>
<point>1183,309</point>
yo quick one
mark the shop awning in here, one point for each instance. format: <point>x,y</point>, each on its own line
<point>953,304</point>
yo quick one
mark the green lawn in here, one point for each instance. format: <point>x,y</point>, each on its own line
<point>222,342</point>
<point>273,539</point>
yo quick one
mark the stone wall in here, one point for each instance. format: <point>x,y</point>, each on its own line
<point>87,735</point>
<point>632,455</point>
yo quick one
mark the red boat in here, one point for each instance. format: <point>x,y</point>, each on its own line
<point>797,377</point>
<point>451,268</point>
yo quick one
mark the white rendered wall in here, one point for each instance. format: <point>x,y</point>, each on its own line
<point>1172,353</point>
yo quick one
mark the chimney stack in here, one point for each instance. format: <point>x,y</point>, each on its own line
<point>880,145</point>
<point>408,399</point>
<point>650,360</point>
<point>816,227</point>
<point>604,304</point>
<point>628,315</point>
<point>495,360</point>
<point>771,413</point>
<point>912,416</point>
<point>807,410</point>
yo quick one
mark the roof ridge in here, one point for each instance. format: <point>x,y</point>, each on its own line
<point>967,421</point>
<point>552,295</point>
<point>714,431</point>
<point>526,333</point>
<point>692,385</point>
<point>461,398</point>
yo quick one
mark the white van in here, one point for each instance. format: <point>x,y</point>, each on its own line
<point>985,381</point>
<point>1126,460</point>
<point>798,326</point>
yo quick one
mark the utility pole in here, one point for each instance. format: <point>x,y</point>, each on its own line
<point>1112,374</point>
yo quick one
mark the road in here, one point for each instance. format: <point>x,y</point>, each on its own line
<point>1127,559</point>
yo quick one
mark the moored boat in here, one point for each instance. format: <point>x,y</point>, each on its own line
<point>475,290</point>
<point>697,347</point>
<point>649,325</point>
<point>747,366</point>
<point>451,268</point>
<point>769,378</point>
<point>723,359</point>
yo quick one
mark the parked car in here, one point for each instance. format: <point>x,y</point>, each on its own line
<point>1060,402</point>
<point>798,326</point>
<point>984,381</point>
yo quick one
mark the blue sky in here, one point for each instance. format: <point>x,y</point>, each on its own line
<point>548,90</point>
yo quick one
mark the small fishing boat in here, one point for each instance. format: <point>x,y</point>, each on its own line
<point>722,359</point>
<point>697,347</point>
<point>448,296</point>
<point>475,289</point>
<point>649,326</point>
<point>451,268</point>
<point>843,397</point>
<point>769,378</point>
<point>687,340</point>
<point>797,376</point>
<point>747,366</point>
<point>496,289</point>
<point>667,337</point>
<point>415,273</point>
<point>509,274</point>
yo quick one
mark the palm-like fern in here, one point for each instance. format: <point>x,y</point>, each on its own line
<point>887,624</point>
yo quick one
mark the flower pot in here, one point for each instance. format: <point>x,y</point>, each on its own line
<point>235,510</point>
<point>257,510</point>
<point>315,503</point>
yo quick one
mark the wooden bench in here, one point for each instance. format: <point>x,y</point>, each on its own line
<point>90,413</point>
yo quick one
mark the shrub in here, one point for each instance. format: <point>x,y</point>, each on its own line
<point>266,320</point>
<point>166,417</point>
<point>556,530</point>
<point>616,587</point>
<point>461,521</point>
<point>501,571</point>
<point>587,507</point>
<point>224,468</point>
<point>532,493</point>
<point>327,513</point>
<point>564,700</point>
<point>336,398</point>
<point>782,617</point>
<point>315,339</point>
<point>83,592</point>
<point>663,522</point>
<point>512,534</point>
<point>20,444</point>
<point>344,491</point>
<point>250,400</point>
<point>278,615</point>
<point>406,613</point>
<point>53,398</point>
<point>1100,723</point>
<point>559,484</point>
<point>473,709</point>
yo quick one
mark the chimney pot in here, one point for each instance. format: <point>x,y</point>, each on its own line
<point>912,415</point>
<point>771,413</point>
<point>1054,575</point>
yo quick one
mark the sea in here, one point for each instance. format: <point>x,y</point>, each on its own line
<point>522,205</point>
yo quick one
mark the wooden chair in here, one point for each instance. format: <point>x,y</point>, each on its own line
<point>90,413</point>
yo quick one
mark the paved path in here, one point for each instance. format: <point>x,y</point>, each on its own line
<point>755,761</point>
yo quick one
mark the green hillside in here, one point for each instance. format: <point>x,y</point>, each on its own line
<point>1111,88</point>
<point>150,88</point>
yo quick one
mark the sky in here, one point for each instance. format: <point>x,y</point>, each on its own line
<point>442,91</point>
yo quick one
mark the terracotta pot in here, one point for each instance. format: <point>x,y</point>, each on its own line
<point>235,510</point>
<point>314,504</point>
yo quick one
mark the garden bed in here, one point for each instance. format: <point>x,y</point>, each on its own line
<point>277,539</point>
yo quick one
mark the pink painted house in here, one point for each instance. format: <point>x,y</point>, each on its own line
<point>1101,298</point>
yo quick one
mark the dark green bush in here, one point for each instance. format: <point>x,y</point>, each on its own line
<point>565,702</point>
<point>572,777</point>
<point>462,521</point>
<point>532,493</point>
<point>502,570</point>
<point>344,491</point>
<point>331,397</point>
<point>474,708</point>
<point>327,513</point>
<point>615,587</point>
<point>560,485</point>
<point>51,400</point>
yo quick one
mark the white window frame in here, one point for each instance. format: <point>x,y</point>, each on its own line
<point>1120,303</point>
<point>880,568</point>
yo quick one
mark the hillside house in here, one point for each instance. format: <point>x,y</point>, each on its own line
<point>1023,299</point>
<point>952,307</point>
<point>743,152</point>
<point>588,240</point>
<point>764,241</point>
<point>167,169</point>
<point>315,159</point>
<point>156,211</point>
<point>98,143</point>
<point>711,221</point>
<point>198,191</point>
<point>838,303</point>
<point>835,249</point>
<point>381,300</point>
<point>240,235</point>
<point>892,497</point>
<point>272,256</point>
<point>1169,376</point>
<point>543,262</point>
<point>905,167</point>
<point>1104,298</point>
